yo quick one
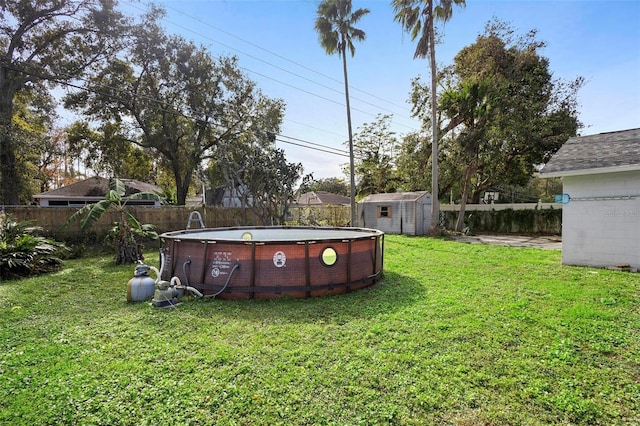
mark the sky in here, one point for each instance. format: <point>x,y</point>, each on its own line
<point>278,48</point>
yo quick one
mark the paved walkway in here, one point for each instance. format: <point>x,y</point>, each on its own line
<point>543,242</point>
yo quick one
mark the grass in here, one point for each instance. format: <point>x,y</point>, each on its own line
<point>453,334</point>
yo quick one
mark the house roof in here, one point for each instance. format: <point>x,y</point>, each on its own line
<point>322,198</point>
<point>95,188</point>
<point>601,153</point>
<point>395,196</point>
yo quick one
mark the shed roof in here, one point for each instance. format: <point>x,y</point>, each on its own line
<point>95,187</point>
<point>601,153</point>
<point>322,198</point>
<point>394,196</point>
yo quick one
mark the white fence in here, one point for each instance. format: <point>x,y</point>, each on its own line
<point>498,207</point>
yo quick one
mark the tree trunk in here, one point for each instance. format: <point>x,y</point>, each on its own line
<point>182,185</point>
<point>475,195</point>
<point>128,251</point>
<point>351,160</point>
<point>9,179</point>
<point>465,194</point>
<point>435,201</point>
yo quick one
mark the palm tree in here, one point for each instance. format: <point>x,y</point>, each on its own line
<point>336,31</point>
<point>417,18</point>
<point>127,231</point>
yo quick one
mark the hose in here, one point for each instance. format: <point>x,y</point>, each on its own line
<point>155,270</point>
<point>194,291</point>
<point>186,278</point>
<point>184,271</point>
<point>235,267</point>
<point>175,282</point>
<point>161,263</point>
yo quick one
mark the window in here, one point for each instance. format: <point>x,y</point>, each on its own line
<point>384,211</point>
<point>329,256</point>
<point>140,202</point>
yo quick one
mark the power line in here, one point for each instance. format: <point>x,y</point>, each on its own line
<point>328,151</point>
<point>315,94</point>
<point>283,69</point>
<point>279,56</point>
<point>325,148</point>
<point>160,106</point>
<point>315,128</point>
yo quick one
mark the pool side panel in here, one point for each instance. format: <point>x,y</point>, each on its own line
<point>274,269</point>
<point>333,275</point>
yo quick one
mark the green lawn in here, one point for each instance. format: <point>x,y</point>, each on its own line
<point>453,334</point>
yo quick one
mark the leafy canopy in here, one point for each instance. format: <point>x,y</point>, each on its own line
<point>50,41</point>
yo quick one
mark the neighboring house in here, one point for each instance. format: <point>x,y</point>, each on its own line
<point>396,213</point>
<point>321,199</point>
<point>225,197</point>
<point>601,184</point>
<point>91,190</point>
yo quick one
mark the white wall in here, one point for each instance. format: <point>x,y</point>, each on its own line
<point>599,227</point>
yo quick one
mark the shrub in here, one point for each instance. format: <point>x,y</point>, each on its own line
<point>125,235</point>
<point>23,253</point>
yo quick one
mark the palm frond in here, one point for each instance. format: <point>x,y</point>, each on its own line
<point>77,215</point>
<point>113,196</point>
<point>355,17</point>
<point>135,223</point>
<point>334,24</point>
<point>93,213</point>
<point>145,230</point>
<point>117,186</point>
<point>145,196</point>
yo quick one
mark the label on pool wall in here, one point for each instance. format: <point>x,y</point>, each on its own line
<point>279,259</point>
<point>221,263</point>
<point>166,266</point>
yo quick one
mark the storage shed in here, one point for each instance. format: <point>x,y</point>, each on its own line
<point>406,213</point>
<point>601,195</point>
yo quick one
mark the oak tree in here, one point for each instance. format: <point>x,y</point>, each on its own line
<point>177,100</point>
<point>53,41</point>
<point>505,112</point>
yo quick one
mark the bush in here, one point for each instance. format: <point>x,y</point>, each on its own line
<point>23,253</point>
<point>126,233</point>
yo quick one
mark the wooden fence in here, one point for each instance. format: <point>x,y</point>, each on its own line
<point>487,218</point>
<point>165,218</point>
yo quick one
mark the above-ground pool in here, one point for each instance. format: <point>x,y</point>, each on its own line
<point>271,262</point>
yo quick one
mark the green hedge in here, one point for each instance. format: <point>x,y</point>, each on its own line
<point>509,221</point>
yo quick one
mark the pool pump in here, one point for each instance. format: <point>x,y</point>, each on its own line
<point>167,294</point>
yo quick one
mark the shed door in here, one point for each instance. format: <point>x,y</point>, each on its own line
<point>426,217</point>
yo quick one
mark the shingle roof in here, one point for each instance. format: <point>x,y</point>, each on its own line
<point>322,198</point>
<point>601,153</point>
<point>96,187</point>
<point>395,196</point>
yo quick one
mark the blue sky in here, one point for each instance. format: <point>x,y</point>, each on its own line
<point>278,48</point>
